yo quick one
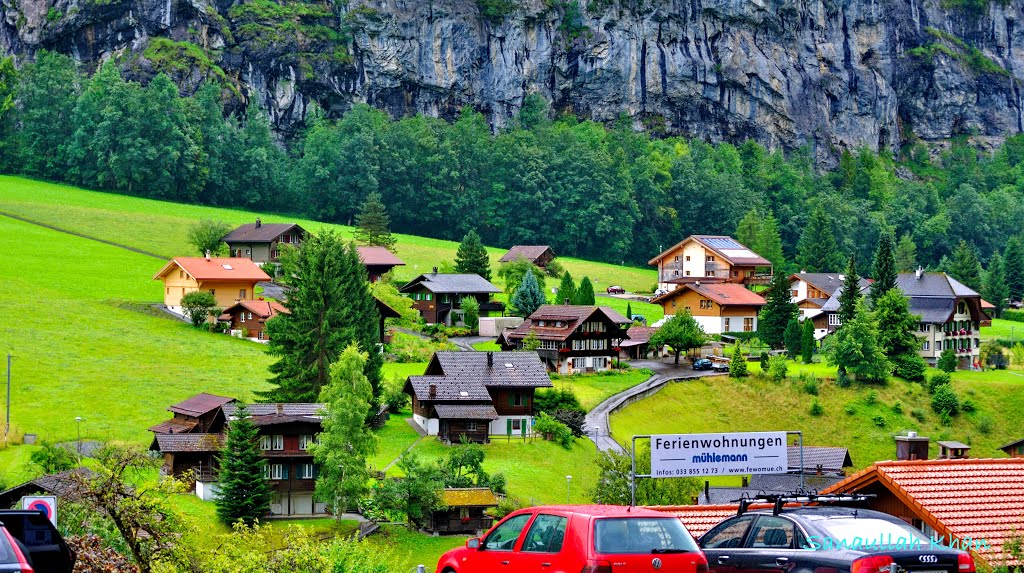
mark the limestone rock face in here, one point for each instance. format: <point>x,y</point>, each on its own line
<point>826,74</point>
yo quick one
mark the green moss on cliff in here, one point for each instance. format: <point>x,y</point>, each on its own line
<point>956,48</point>
<point>495,11</point>
<point>169,56</point>
<point>264,23</point>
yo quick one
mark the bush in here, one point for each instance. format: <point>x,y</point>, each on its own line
<point>938,379</point>
<point>198,306</point>
<point>909,367</point>
<point>506,505</point>
<point>553,430</point>
<point>816,408</point>
<point>948,361</point>
<point>575,420</point>
<point>843,379</point>
<point>917,414</point>
<point>871,398</point>
<point>777,368</point>
<point>811,386</point>
<point>945,402</point>
<point>897,408</point>
<point>945,419</point>
<point>986,424</point>
<point>879,421</point>
<point>764,358</point>
<point>551,399</point>
<point>968,406</point>
<point>52,458</point>
<point>850,409</point>
<point>393,395</point>
<point>1014,315</point>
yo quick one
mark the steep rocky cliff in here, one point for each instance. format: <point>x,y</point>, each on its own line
<point>830,74</point>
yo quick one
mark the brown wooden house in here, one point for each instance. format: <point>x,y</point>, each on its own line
<point>465,510</point>
<point>378,261</point>
<point>249,317</point>
<point>1014,449</point>
<point>717,306</point>
<point>199,414</point>
<point>261,242</point>
<point>708,256</point>
<point>477,394</point>
<point>539,255</point>
<point>573,339</point>
<point>436,295</point>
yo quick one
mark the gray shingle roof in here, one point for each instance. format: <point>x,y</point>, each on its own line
<point>265,233</point>
<point>825,282</point>
<point>451,284</point>
<point>293,409</point>
<point>832,304</point>
<point>831,459</point>
<point>788,483</point>
<point>449,389</point>
<point>932,285</point>
<point>466,412</point>
<point>932,309</point>
<point>173,443</point>
<point>954,445</point>
<point>528,252</point>
<point>506,369</point>
<point>571,315</point>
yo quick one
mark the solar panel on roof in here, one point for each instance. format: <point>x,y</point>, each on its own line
<point>722,243</point>
<point>738,253</point>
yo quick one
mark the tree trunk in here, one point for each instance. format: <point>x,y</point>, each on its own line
<point>677,358</point>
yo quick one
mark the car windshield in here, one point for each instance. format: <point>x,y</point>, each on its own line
<point>642,535</point>
<point>865,533</point>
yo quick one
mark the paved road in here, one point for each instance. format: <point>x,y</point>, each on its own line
<point>466,342</point>
<point>274,290</point>
<point>664,372</point>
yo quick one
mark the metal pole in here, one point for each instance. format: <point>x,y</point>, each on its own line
<point>632,474</point>
<point>568,489</point>
<point>7,426</point>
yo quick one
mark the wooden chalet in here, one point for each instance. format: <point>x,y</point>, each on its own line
<point>1014,449</point>
<point>249,318</point>
<point>477,394</point>
<point>199,414</point>
<point>716,305</point>
<point>378,261</point>
<point>464,512</point>
<point>638,342</point>
<point>708,256</point>
<point>436,295</point>
<point>539,255</point>
<point>229,280</point>
<point>573,339</point>
<point>261,242</point>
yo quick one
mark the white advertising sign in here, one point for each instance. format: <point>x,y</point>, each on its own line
<point>692,455</point>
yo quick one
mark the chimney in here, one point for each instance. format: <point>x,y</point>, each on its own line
<point>911,447</point>
<point>433,390</point>
<point>818,470</point>
<point>280,409</point>
<point>434,271</point>
<point>258,223</point>
<point>490,359</point>
<point>207,254</point>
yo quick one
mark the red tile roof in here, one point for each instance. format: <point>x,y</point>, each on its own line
<point>203,269</point>
<point>378,256</point>
<point>261,308</point>
<point>968,498</point>
<point>725,294</point>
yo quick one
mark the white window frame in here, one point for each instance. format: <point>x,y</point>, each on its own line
<point>266,470</point>
<point>307,471</point>
<point>277,471</point>
<point>305,440</point>
<point>278,442</point>
<point>833,320</point>
<point>265,443</point>
<point>470,426</point>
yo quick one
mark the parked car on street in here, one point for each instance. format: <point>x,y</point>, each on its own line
<point>826,538</point>
<point>702,364</point>
<point>615,289</point>
<point>579,538</point>
<point>719,366</point>
<point>30,543</point>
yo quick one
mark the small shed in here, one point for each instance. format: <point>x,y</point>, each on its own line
<point>539,255</point>
<point>638,344</point>
<point>952,450</point>
<point>464,510</point>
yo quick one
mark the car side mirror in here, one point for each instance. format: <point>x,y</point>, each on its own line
<point>474,543</point>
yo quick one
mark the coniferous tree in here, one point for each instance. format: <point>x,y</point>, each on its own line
<point>346,441</point>
<point>896,338</point>
<point>244,491</point>
<point>995,288</point>
<point>965,267</point>
<point>794,338</point>
<point>777,312</point>
<point>905,255</point>
<point>566,290</point>
<point>528,297</point>
<point>817,250</point>
<point>330,307</point>
<point>585,293</point>
<point>738,364</point>
<point>769,243</point>
<point>373,225</point>
<point>471,258</point>
<point>629,311</point>
<point>807,342</point>
<point>885,268</point>
<point>1013,260</point>
<point>850,294</point>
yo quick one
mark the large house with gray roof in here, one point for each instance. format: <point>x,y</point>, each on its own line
<point>573,339</point>
<point>261,242</point>
<point>477,394</point>
<point>436,295</point>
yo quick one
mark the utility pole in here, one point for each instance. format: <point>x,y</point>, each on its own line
<point>7,426</point>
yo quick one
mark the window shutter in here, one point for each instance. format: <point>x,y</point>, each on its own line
<point>284,471</point>
<point>508,426</point>
<point>511,399</point>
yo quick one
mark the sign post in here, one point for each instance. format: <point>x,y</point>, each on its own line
<point>719,454</point>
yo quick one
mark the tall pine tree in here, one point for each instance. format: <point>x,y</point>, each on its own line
<point>885,268</point>
<point>995,289</point>
<point>330,307</point>
<point>528,297</point>
<point>896,335</point>
<point>817,250</point>
<point>1013,260</point>
<point>905,255</point>
<point>373,226</point>
<point>965,266</point>
<point>471,258</point>
<point>566,290</point>
<point>585,293</point>
<point>777,312</point>
<point>851,293</point>
<point>244,491</point>
<point>794,338</point>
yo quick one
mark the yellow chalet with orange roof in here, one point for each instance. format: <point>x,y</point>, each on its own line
<point>229,280</point>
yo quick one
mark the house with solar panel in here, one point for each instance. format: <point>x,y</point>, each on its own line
<point>708,256</point>
<point>475,395</point>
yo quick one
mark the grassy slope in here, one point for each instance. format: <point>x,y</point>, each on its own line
<point>592,389</point>
<point>161,227</point>
<point>751,405</point>
<point>1003,329</point>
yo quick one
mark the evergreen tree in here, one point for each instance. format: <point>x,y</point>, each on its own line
<point>629,311</point>
<point>885,269</point>
<point>794,338</point>
<point>905,255</point>
<point>818,251</point>
<point>472,258</point>
<point>850,294</point>
<point>373,226</point>
<point>854,347</point>
<point>244,492</point>
<point>769,243</point>
<point>346,441</point>
<point>330,307</point>
<point>995,288</point>
<point>965,267</point>
<point>680,333</point>
<point>896,338</point>
<point>777,312</point>
<point>738,365</point>
<point>566,290</point>
<point>1013,260</point>
<point>748,230</point>
<point>585,294</point>
<point>528,297</point>
<point>807,343</point>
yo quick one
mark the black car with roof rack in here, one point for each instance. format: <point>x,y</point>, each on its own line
<point>793,537</point>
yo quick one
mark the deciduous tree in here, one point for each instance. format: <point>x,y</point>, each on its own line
<point>199,306</point>
<point>1014,261</point>
<point>680,333</point>
<point>470,312</point>
<point>512,273</point>
<point>855,350</point>
<point>207,235</point>
<point>413,497</point>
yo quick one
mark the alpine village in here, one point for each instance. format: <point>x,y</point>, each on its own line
<point>337,286</point>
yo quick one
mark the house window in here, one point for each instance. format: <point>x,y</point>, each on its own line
<point>795,294</point>
<point>181,274</point>
<point>600,362</point>
<point>241,294</point>
<point>278,442</point>
<point>265,443</point>
<point>168,290</point>
<point>926,346</point>
<point>213,292</point>
<point>687,258</point>
<point>748,325</point>
<point>517,425</point>
<point>833,320</point>
<point>248,252</point>
<point>725,324</point>
<point>710,259</point>
<point>961,307</point>
<point>259,335</point>
<point>578,363</point>
<point>277,471</point>
<point>307,471</point>
<point>518,399</point>
<point>304,441</point>
<point>710,273</point>
<point>445,298</point>
<point>287,239</point>
<point>266,470</point>
<point>428,296</point>
<point>273,253</point>
<point>706,304</point>
<point>677,258</point>
<point>687,273</point>
<point>470,426</point>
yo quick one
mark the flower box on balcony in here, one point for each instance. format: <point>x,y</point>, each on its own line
<point>564,350</point>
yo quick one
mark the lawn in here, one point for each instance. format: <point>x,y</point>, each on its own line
<point>393,439</point>
<point>161,227</point>
<point>861,418</point>
<point>488,346</point>
<point>592,389</point>
<point>1004,330</point>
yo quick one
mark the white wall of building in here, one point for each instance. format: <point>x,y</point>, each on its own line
<point>207,491</point>
<point>499,427</point>
<point>431,425</point>
<point>712,324</point>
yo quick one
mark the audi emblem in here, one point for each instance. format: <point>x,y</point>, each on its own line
<point>928,558</point>
<point>656,563</point>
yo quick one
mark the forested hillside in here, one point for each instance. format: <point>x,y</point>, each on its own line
<point>592,191</point>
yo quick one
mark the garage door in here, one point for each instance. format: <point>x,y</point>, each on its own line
<point>302,504</point>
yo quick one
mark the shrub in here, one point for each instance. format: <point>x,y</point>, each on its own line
<point>843,379</point>
<point>850,409</point>
<point>897,408</point>
<point>948,360</point>
<point>551,399</point>
<point>738,366</point>
<point>198,306</point>
<point>506,505</point>
<point>777,368</point>
<point>575,420</point>
<point>879,421</point>
<point>945,402</point>
<point>968,406</point>
<point>764,358</point>
<point>816,408</point>
<point>909,367</point>
<point>938,379</point>
<point>917,414</point>
<point>945,419</point>
<point>553,430</point>
<point>986,424</point>
<point>871,398</point>
<point>811,386</point>
<point>393,395</point>
<point>52,458</point>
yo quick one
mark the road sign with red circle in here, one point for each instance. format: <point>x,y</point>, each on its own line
<point>44,503</point>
